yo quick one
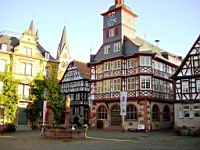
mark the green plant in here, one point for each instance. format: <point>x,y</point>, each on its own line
<point>9,98</point>
<point>46,89</point>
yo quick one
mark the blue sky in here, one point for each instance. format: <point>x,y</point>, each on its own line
<point>175,23</point>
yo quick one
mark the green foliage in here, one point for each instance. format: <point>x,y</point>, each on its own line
<point>54,96</point>
<point>9,98</point>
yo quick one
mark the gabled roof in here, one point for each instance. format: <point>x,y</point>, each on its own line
<point>196,43</point>
<point>43,51</point>
<point>83,69</point>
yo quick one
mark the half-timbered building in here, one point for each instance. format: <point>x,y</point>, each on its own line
<point>75,85</point>
<point>187,85</point>
<point>126,62</point>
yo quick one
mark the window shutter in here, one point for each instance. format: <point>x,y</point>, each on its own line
<point>180,112</point>
<point>191,112</point>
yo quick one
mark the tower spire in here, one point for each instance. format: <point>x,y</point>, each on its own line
<point>32,27</point>
<point>63,45</point>
<point>119,2</point>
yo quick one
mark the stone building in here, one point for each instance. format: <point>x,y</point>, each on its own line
<point>29,58</point>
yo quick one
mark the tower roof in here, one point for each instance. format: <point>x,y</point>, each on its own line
<point>63,43</point>
<point>119,2</point>
<point>31,28</point>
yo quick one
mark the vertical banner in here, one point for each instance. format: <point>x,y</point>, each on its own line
<point>45,111</point>
<point>123,103</point>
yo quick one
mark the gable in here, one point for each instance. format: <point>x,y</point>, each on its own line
<point>191,64</point>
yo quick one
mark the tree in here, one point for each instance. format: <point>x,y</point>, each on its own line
<point>45,89</point>
<point>9,98</point>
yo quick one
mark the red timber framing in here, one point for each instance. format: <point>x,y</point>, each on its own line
<point>136,71</point>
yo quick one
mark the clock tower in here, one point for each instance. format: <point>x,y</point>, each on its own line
<point>118,21</point>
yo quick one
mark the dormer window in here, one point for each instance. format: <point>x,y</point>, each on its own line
<point>107,49</point>
<point>117,46</point>
<point>3,47</point>
<point>47,55</point>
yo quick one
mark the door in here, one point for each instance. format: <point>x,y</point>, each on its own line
<point>22,117</point>
<point>115,115</point>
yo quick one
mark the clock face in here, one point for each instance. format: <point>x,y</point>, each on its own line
<point>112,19</point>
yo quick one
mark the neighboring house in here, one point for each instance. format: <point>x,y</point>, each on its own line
<point>75,85</point>
<point>187,85</point>
<point>29,59</point>
<point>126,62</point>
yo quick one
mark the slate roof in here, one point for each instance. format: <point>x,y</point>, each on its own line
<point>12,42</point>
<point>131,46</point>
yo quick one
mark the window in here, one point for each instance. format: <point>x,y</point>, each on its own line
<point>116,64</point>
<point>102,112</point>
<point>99,68</point>
<point>28,51</point>
<point>2,65</point>
<point>26,68</point>
<point>131,112</point>
<point>106,85</point>
<point>145,82</point>
<point>107,66</point>
<point>1,87</point>
<point>197,111</point>
<point>145,61</point>
<point>116,84</point>
<point>198,85</point>
<point>99,87</point>
<point>155,113</point>
<point>24,90</point>
<point>117,46</point>
<point>131,83</point>
<point>47,71</point>
<point>185,87</point>
<point>186,111</point>
<point>130,63</point>
<point>47,56</point>
<point>166,113</point>
<point>111,32</point>
<point>107,49</point>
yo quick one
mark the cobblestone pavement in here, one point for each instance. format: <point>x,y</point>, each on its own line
<point>100,140</point>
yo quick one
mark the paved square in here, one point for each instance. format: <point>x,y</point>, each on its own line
<point>100,140</point>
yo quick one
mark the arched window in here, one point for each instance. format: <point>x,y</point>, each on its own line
<point>155,113</point>
<point>131,112</point>
<point>102,112</point>
<point>166,113</point>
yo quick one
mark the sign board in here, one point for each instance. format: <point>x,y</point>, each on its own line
<point>45,111</point>
<point>123,103</point>
<point>141,127</point>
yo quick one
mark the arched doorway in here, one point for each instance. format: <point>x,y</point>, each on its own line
<point>115,115</point>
